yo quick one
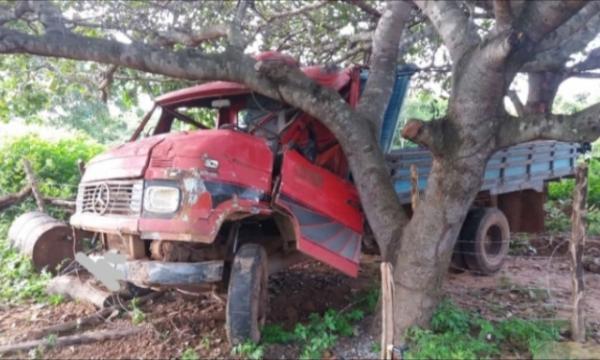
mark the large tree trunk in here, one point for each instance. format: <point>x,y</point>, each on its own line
<point>542,91</point>
<point>421,262</point>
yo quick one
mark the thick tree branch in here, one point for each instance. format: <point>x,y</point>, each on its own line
<point>503,15</point>
<point>540,18</point>
<point>385,59</point>
<point>236,37</point>
<point>592,62</point>
<point>452,24</point>
<point>49,15</point>
<point>430,134</point>
<point>573,36</point>
<point>171,37</point>
<point>361,4</point>
<point>583,126</point>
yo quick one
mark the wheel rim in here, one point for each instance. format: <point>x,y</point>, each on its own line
<point>493,242</point>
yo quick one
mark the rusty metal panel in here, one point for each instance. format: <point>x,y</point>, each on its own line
<point>147,273</point>
<point>526,166</point>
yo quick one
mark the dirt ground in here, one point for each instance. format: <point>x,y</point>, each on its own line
<point>528,286</point>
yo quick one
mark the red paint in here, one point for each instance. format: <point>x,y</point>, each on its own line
<point>246,162</point>
<point>243,159</point>
<point>320,253</point>
<point>125,161</point>
<point>200,228</point>
<point>320,190</point>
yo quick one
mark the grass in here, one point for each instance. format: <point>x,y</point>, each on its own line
<point>19,281</point>
<point>458,334</point>
<point>321,332</point>
<point>558,217</point>
<point>189,354</point>
<point>137,315</point>
<point>248,350</point>
<point>454,333</point>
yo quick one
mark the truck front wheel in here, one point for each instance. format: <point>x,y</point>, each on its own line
<point>485,240</point>
<point>247,295</point>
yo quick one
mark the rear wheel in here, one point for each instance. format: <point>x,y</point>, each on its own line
<point>485,240</point>
<point>247,295</point>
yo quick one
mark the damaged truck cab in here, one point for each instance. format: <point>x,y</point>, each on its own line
<point>226,178</point>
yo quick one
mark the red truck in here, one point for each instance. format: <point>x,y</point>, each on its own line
<point>210,204</point>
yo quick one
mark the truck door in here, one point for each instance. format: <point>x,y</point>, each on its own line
<point>326,211</point>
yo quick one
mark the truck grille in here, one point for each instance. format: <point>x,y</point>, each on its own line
<point>111,198</point>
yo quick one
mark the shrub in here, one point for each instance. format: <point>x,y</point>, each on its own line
<point>562,190</point>
<point>54,162</point>
<point>458,334</point>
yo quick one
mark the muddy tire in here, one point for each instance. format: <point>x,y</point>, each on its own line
<point>247,295</point>
<point>457,264</point>
<point>485,240</point>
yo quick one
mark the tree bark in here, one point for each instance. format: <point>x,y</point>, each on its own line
<point>85,338</point>
<point>93,319</point>
<point>34,185</point>
<point>9,200</point>
<point>542,90</point>
<point>576,245</point>
<point>428,241</point>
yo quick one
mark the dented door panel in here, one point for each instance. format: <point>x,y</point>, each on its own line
<point>327,219</point>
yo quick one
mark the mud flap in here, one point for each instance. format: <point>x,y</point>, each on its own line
<point>327,219</point>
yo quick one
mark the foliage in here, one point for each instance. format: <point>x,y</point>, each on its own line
<point>419,104</point>
<point>561,190</point>
<point>137,315</point>
<point>189,354</point>
<point>560,194</point>
<point>458,334</point>
<point>322,332</point>
<point>65,94</point>
<point>248,350</point>
<point>18,279</point>
<point>54,163</point>
<point>558,217</point>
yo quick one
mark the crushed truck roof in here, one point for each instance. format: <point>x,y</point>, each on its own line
<point>333,78</point>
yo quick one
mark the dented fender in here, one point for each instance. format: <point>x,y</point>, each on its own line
<point>205,203</point>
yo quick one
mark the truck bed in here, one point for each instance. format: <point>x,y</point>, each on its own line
<point>520,167</point>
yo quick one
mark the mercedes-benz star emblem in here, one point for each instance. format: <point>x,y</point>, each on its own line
<point>101,199</point>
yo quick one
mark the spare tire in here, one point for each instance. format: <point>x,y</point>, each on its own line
<point>485,240</point>
<point>247,295</point>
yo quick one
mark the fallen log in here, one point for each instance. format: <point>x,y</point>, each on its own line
<point>9,200</point>
<point>34,185</point>
<point>85,338</point>
<point>93,319</point>
<point>75,288</point>
<point>14,199</point>
<point>67,204</point>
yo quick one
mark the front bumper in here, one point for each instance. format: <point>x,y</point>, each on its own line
<point>158,273</point>
<point>204,206</point>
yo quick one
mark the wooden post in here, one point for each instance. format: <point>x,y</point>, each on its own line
<point>387,311</point>
<point>33,183</point>
<point>578,239</point>
<point>80,166</point>
<point>414,190</point>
